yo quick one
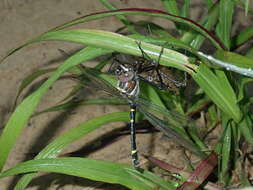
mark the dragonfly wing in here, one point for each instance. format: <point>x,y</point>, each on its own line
<point>173,118</point>
<point>94,79</point>
<point>169,132</point>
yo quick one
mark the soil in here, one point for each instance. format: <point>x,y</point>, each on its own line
<point>21,20</point>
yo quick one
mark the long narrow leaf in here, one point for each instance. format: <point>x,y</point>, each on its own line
<point>185,9</point>
<point>109,40</point>
<point>171,6</point>
<point>226,151</point>
<point>147,12</point>
<point>242,37</point>
<point>195,39</point>
<point>226,11</point>
<point>55,148</point>
<point>24,111</point>
<point>91,169</point>
<point>213,87</point>
<point>209,3</point>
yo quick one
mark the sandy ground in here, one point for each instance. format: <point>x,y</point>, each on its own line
<point>22,20</point>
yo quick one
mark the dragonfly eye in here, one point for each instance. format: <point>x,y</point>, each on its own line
<point>118,71</point>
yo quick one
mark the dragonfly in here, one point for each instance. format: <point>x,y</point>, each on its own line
<point>150,70</point>
<point>127,89</point>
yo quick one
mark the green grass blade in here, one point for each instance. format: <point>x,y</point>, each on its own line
<point>234,59</point>
<point>55,148</point>
<point>213,85</point>
<point>250,53</point>
<point>245,127</point>
<point>244,4</point>
<point>184,12</point>
<point>149,177</point>
<point>24,111</point>
<point>171,6</point>
<point>185,9</point>
<point>225,85</point>
<point>226,151</point>
<point>242,37</point>
<point>209,3</point>
<point>223,29</point>
<point>146,12</point>
<point>195,39</point>
<point>109,40</point>
<point>246,7</point>
<point>242,83</point>
<point>108,172</point>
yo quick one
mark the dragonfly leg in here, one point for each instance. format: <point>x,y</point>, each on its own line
<point>153,64</point>
<point>157,68</point>
<point>134,152</point>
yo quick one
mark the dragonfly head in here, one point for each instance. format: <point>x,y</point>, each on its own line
<point>125,73</point>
